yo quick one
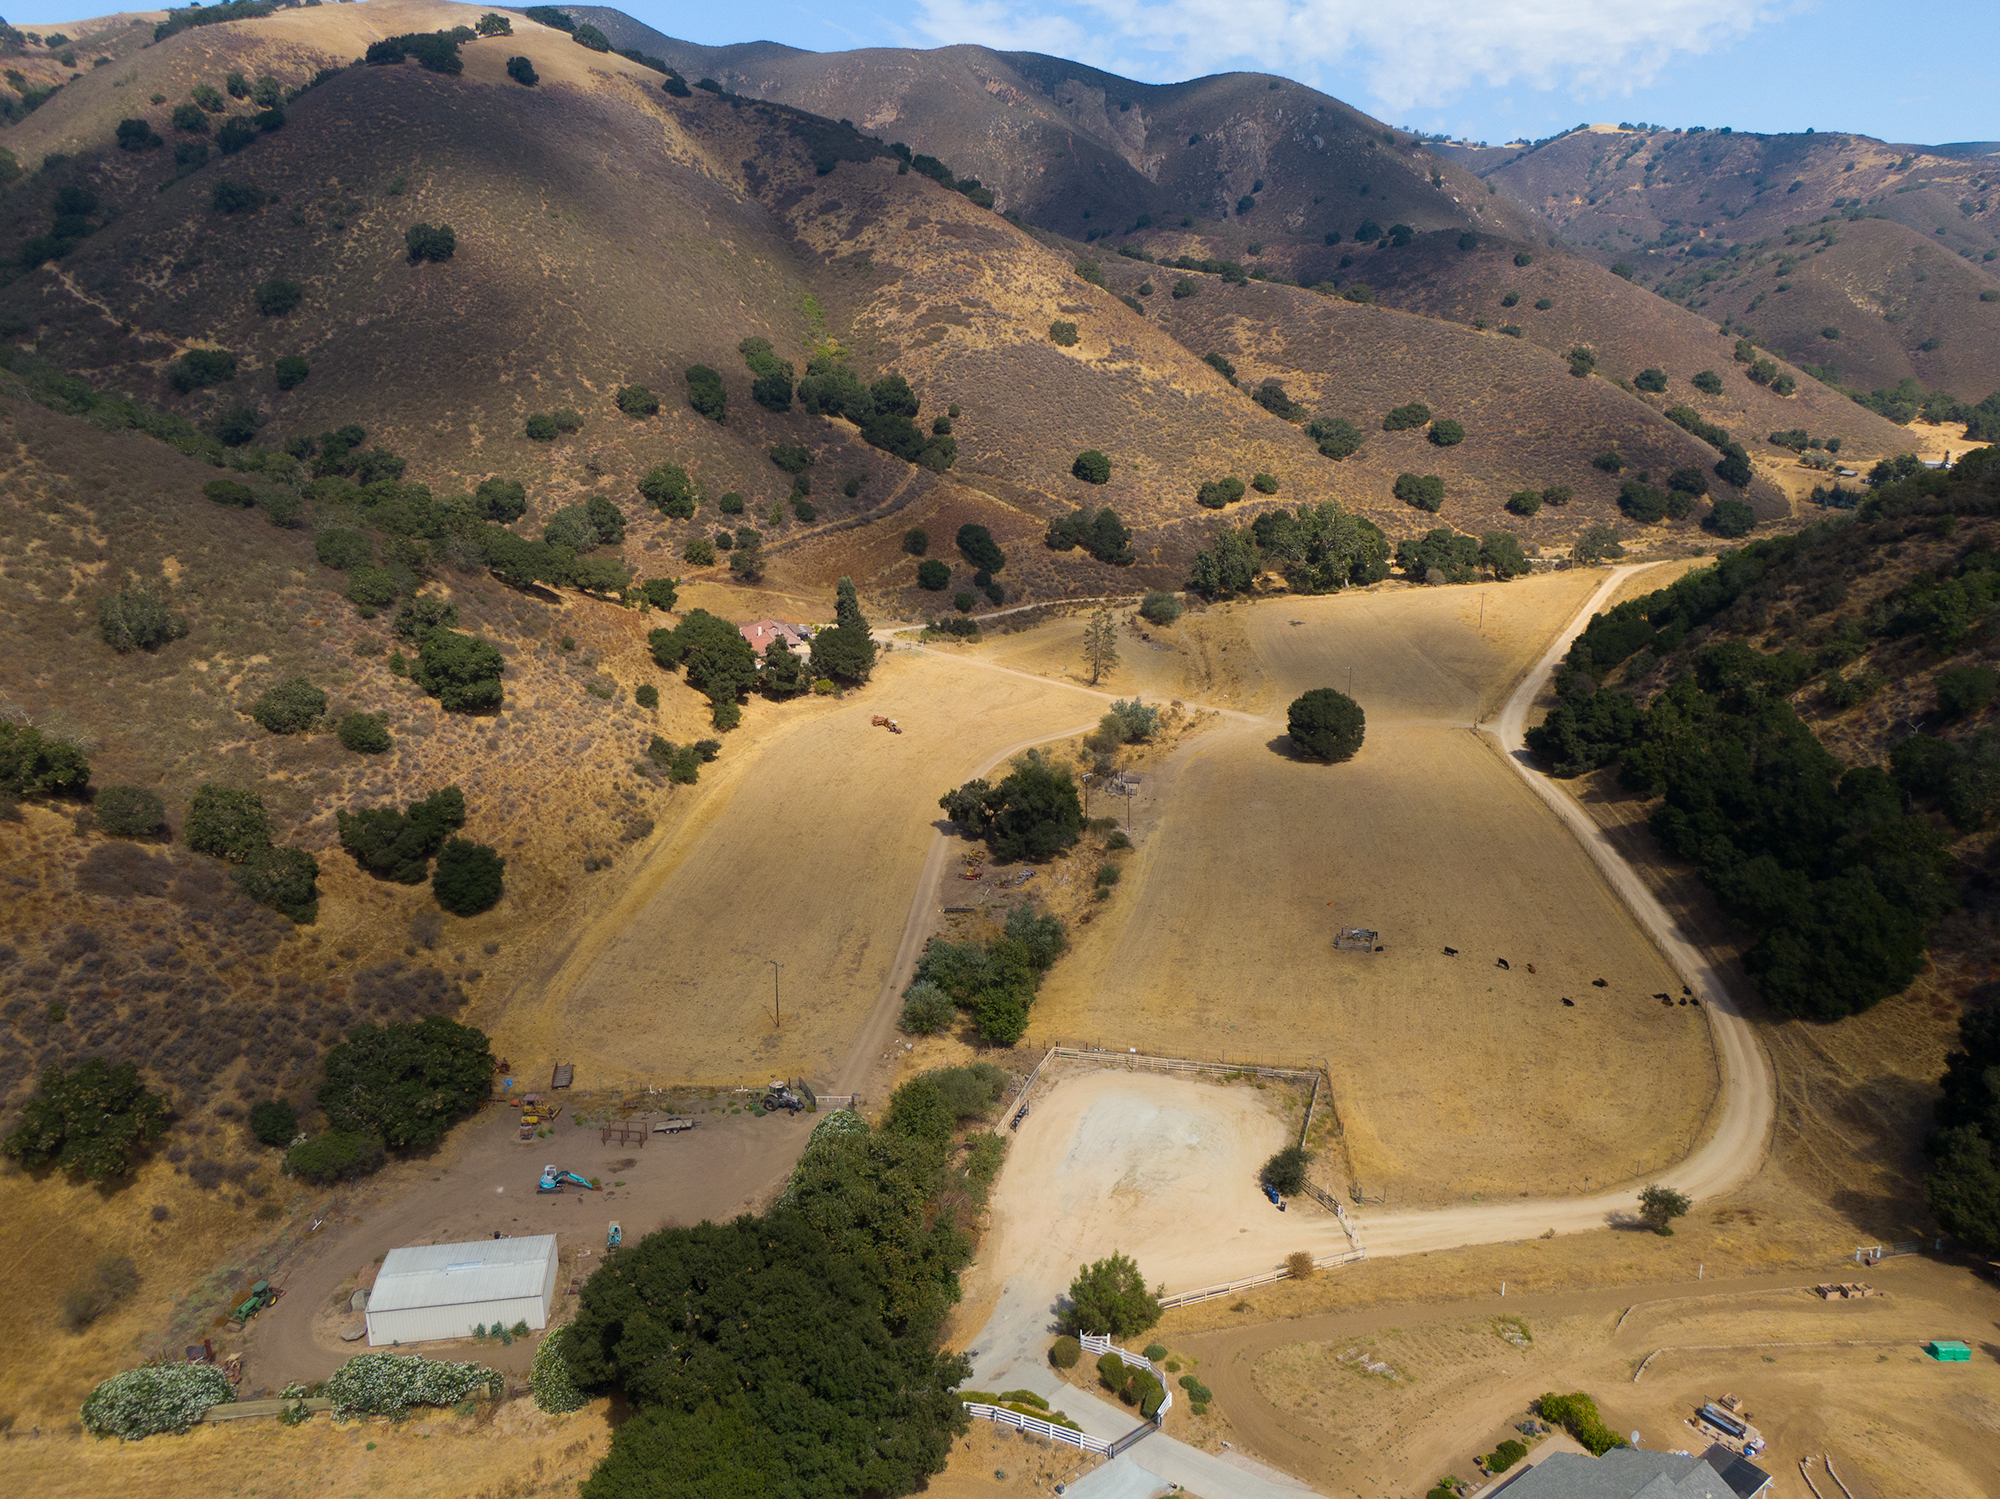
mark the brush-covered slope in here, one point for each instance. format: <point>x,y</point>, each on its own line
<point>1089,153</point>
<point>1529,424</point>
<point>609,234</point>
<point>1872,303</point>
<point>1628,328</point>
<point>1632,191</point>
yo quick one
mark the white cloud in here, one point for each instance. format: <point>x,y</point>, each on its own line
<point>1407,52</point>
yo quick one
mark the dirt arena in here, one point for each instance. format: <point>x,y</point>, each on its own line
<point>1447,1070</point>
<point>1161,1168</point>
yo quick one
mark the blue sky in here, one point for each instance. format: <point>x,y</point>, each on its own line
<point>1484,69</point>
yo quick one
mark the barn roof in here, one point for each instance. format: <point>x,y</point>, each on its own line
<point>452,1274</point>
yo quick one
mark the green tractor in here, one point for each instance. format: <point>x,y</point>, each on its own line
<point>262,1294</point>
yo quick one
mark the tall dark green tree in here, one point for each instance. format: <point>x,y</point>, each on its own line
<point>406,1083</point>
<point>1326,725</point>
<point>90,1121</point>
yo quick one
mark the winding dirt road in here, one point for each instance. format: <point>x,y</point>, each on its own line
<point>1740,1128</point>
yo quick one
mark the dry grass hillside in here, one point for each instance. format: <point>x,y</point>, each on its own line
<point>1630,330</point>
<point>1624,191</point>
<point>1087,152</point>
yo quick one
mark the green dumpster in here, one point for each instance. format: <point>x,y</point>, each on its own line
<point>1948,1351</point>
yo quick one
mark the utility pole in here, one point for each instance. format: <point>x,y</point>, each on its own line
<point>777,1013</point>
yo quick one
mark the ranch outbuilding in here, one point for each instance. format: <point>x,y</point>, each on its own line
<point>433,1291</point>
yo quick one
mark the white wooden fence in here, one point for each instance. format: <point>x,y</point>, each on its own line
<point>1001,1416</point>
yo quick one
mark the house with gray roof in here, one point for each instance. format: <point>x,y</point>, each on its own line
<point>1628,1473</point>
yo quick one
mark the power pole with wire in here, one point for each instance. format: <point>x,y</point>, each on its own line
<point>777,1013</point>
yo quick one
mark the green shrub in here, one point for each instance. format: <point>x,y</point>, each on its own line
<point>637,400</point>
<point>1326,724</point>
<point>1405,417</point>
<point>1065,1352</point>
<point>1577,1414</point>
<point>1336,435</point>
<point>159,1398</point>
<point>277,296</point>
<point>646,695</point>
<point>274,1122</point>
<point>229,492</point>
<point>1447,433</point>
<point>372,587</point>
<point>1215,494</point>
<point>365,733</point>
<point>916,541</point>
<point>934,575</point>
<point>1424,491</point>
<point>1506,1455</point>
<point>668,489</point>
<point>335,1156</point>
<point>291,371</point>
<point>1091,466</point>
<point>1524,502</point>
<point>430,242</point>
<point>549,1378</point>
<point>469,878</point>
<point>128,811</point>
<point>227,824</point>
<point>927,1009</point>
<point>199,368</point>
<point>705,393</point>
<point>541,427</point>
<point>289,707</point>
<point>1160,608</point>
<point>1653,381</point>
<point>388,1384</point>
<point>1285,1172</point>
<point>461,671</point>
<point>698,552</point>
<point>523,72</point>
<point>1962,690</point>
<point>1063,334</point>
<point>1708,383</point>
<point>87,1121</point>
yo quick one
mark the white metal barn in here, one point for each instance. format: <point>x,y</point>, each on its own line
<point>436,1291</point>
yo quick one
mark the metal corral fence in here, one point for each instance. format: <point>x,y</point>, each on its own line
<point>1101,1346</point>
<point>1001,1416</point>
<point>1209,1293</point>
<point>1872,1253</point>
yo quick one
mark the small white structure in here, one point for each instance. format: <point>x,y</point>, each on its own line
<point>437,1291</point>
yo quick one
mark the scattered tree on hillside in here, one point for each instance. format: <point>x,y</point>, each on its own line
<point>228,824</point>
<point>1404,417</point>
<point>1652,381</point>
<point>522,71</point>
<point>719,662</point>
<point>1285,1172</point>
<point>1092,467</point>
<point>1423,491</point>
<point>461,671</point>
<point>705,393</point>
<point>89,1121</point>
<point>1326,725</point>
<point>1336,435</point>
<point>34,763</point>
<point>290,707</point>
<point>469,877</point>
<point>430,242</point>
<point>398,846</point>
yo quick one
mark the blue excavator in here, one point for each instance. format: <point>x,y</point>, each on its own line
<point>553,1178</point>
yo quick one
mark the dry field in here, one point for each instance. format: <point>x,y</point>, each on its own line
<point>1445,1068</point>
<point>806,853</point>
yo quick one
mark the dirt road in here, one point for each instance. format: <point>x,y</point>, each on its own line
<point>1740,1128</point>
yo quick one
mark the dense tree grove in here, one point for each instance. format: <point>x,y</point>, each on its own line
<point>399,846</point>
<point>884,411</point>
<point>408,1082</point>
<point>994,984</point>
<point>1963,1187</point>
<point>795,1354</point>
<point>719,662</point>
<point>1837,871</point>
<point>1099,533</point>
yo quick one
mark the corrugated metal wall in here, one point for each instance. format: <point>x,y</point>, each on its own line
<point>423,1324</point>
